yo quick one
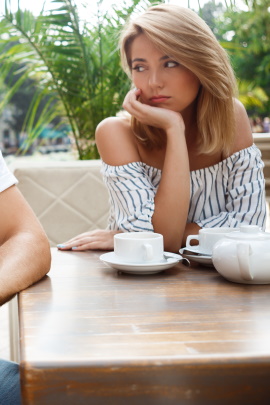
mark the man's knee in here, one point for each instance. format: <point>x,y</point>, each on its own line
<point>9,383</point>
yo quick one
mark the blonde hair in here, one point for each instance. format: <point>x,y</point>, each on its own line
<point>182,35</point>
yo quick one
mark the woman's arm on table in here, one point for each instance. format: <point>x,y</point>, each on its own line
<point>108,134</point>
<point>172,197</point>
<point>164,213</point>
<point>24,248</point>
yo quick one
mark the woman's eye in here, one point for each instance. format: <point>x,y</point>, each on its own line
<point>138,68</point>
<point>171,64</point>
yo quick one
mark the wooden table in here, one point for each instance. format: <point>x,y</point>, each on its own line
<point>91,335</point>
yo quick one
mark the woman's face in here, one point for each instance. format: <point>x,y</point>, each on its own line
<point>163,82</point>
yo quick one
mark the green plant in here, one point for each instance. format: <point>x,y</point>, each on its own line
<point>74,62</point>
<point>249,41</point>
<point>251,95</point>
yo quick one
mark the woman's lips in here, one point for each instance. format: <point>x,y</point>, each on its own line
<point>159,99</point>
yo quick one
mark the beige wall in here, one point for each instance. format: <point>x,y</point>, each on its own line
<point>68,197</point>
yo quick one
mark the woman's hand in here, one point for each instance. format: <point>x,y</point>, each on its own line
<point>150,115</point>
<point>98,239</point>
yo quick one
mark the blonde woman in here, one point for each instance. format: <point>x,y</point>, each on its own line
<point>183,159</point>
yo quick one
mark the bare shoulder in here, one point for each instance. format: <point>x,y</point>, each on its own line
<point>116,142</point>
<point>243,134</point>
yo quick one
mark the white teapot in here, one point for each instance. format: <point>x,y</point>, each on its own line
<point>244,256</point>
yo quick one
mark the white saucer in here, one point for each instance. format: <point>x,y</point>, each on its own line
<point>194,249</point>
<point>140,268</point>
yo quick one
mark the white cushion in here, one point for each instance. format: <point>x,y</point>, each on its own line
<point>68,197</point>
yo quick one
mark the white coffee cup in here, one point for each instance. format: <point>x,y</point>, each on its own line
<point>207,238</point>
<point>139,247</point>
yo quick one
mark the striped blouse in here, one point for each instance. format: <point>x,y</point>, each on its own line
<point>228,193</point>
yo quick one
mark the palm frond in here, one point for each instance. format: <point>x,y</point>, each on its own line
<point>251,95</point>
<point>74,62</point>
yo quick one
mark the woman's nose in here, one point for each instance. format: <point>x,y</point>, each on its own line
<point>155,79</point>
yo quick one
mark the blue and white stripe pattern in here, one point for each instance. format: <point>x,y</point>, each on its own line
<point>226,194</point>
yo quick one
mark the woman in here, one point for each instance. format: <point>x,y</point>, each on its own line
<point>184,157</point>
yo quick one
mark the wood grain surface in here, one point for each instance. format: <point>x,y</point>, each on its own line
<point>92,335</point>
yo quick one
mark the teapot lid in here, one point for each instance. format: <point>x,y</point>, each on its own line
<point>249,232</point>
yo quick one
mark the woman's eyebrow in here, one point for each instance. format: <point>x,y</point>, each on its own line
<point>145,60</point>
<point>138,60</point>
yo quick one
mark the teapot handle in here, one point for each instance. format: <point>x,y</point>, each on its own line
<point>243,251</point>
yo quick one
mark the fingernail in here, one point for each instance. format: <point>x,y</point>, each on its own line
<point>74,248</point>
<point>61,245</point>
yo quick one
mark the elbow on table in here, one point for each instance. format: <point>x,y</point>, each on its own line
<point>172,244</point>
<point>46,251</point>
<point>173,235</point>
<point>43,256</point>
<point>172,240</point>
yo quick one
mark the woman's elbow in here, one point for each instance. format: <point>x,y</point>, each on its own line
<point>172,244</point>
<point>44,255</point>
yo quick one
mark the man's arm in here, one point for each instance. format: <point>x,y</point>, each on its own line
<point>24,248</point>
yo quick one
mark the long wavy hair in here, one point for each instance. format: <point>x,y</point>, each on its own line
<point>182,35</point>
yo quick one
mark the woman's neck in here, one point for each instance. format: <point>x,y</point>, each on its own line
<point>190,119</point>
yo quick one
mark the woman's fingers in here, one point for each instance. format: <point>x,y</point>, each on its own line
<point>95,240</point>
<point>150,115</point>
<point>69,244</point>
<point>73,241</point>
<point>131,103</point>
<point>94,245</point>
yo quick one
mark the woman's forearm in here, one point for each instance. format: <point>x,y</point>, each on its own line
<point>172,198</point>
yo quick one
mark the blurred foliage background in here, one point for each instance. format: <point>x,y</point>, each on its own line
<point>62,67</point>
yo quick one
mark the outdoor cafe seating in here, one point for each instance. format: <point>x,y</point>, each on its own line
<point>88,331</point>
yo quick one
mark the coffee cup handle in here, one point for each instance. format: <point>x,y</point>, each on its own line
<point>243,252</point>
<point>189,238</point>
<point>148,252</point>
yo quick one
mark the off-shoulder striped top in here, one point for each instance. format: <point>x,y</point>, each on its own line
<point>229,193</point>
